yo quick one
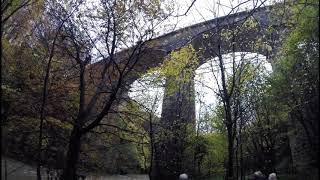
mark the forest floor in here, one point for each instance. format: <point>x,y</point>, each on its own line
<point>17,170</point>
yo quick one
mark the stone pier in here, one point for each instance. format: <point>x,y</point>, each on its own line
<point>176,126</point>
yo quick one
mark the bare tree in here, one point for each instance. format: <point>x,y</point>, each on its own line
<point>228,72</point>
<point>46,83</point>
<point>121,24</point>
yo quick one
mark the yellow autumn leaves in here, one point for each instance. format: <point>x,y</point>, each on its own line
<point>178,67</point>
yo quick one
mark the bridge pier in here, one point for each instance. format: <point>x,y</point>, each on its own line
<point>176,125</point>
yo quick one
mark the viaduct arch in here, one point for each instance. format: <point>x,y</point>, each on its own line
<point>206,37</point>
<point>247,31</point>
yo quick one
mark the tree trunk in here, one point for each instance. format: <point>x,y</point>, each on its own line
<point>240,148</point>
<point>229,175</point>
<point>230,128</point>
<point>241,162</point>
<point>5,169</point>
<point>151,147</point>
<point>70,170</point>
<point>237,158</point>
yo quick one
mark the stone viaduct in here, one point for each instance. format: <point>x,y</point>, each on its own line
<point>250,33</point>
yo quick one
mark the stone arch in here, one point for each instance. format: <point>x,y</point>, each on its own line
<point>157,49</point>
<point>209,39</point>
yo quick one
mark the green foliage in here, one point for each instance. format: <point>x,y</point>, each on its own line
<point>178,67</point>
<point>297,65</point>
<point>209,152</point>
<point>21,139</point>
<point>117,158</point>
<point>124,144</point>
<point>293,86</point>
<point>217,152</point>
<point>20,65</point>
<point>217,119</point>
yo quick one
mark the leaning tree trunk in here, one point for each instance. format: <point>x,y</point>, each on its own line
<point>70,169</point>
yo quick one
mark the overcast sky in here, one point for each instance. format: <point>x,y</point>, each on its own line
<point>203,10</point>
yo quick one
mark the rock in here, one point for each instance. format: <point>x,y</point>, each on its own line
<point>272,176</point>
<point>183,176</point>
<point>256,176</point>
